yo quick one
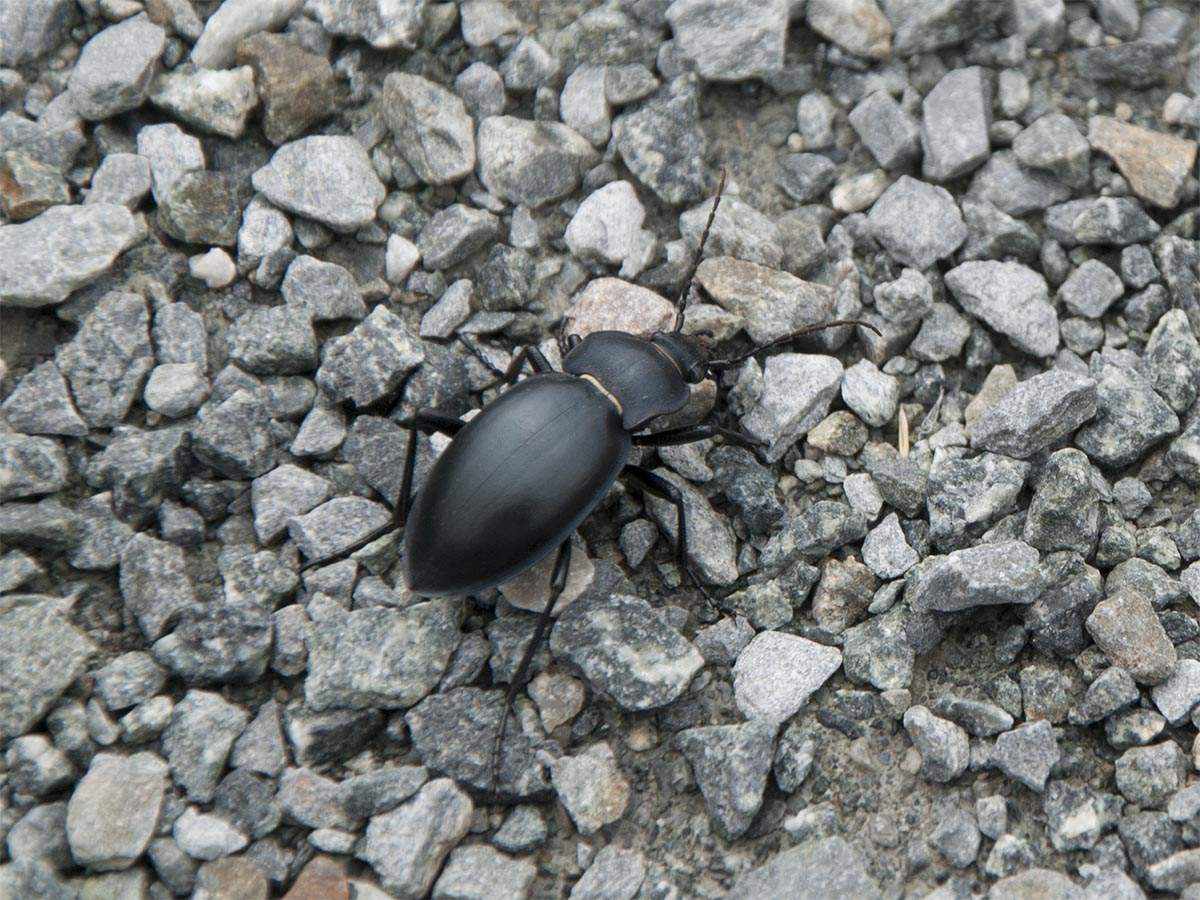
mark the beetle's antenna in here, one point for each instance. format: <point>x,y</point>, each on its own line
<point>719,364</point>
<point>681,302</point>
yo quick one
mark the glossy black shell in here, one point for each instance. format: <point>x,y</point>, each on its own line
<point>513,484</point>
<point>641,376</point>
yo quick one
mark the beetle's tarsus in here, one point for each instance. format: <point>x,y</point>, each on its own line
<point>558,583</point>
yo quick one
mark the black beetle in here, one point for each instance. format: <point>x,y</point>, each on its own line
<point>517,479</point>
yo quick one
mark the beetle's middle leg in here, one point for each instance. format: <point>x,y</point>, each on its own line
<point>427,421</point>
<point>688,434</point>
<point>558,583</point>
<point>657,486</point>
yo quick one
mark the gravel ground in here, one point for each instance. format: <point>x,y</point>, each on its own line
<point>957,653</point>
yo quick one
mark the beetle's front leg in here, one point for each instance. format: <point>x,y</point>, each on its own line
<point>558,583</point>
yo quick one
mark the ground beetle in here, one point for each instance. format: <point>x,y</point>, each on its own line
<point>518,479</point>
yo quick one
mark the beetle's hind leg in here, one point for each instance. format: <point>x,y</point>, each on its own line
<point>529,353</point>
<point>427,421</point>
<point>657,486</point>
<point>558,582</point>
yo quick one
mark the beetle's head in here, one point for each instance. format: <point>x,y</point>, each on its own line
<point>686,352</point>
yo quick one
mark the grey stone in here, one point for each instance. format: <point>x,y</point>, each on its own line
<point>454,234</point>
<point>923,25</point>
<point>1171,361</point>
<point>381,658</point>
<point>1125,627</point>
<point>524,830</point>
<point>1183,456</point>
<point>796,392</point>
<point>527,66</point>
<point>1149,776</point>
<point>259,748</point>
<point>1002,572</point>
<point>234,439</point>
<point>942,336</point>
<point>1176,872</point>
<point>730,763</point>
<point>142,469</point>
<point>114,810</point>
<point>957,837</point>
<point>273,340</point>
<point>217,642</point>
<point>1131,418</point>
<point>891,134</point>
<point>31,466</point>
<point>452,309</point>
<point>53,142</point>
<point>776,674</point>
<point>615,874</point>
<point>531,163</point>
<point>772,303</point>
<point>379,790</point>
<point>32,28</point>
<point>433,131</point>
<point>1036,414</point>
<point>871,394</point>
<point>626,651</point>
<point>942,744</point>
<point>328,178</point>
<point>886,550</point>
<point>154,583</point>
<point>335,525</point>
<point>954,126</point>
<point>662,144</point>
<point>917,223</point>
<point>453,732</point>
<point>993,234</point>
<point>591,787</point>
<point>479,872</point>
<point>1077,815</point>
<point>821,529</point>
<point>878,651</point>
<point>733,44</point>
<point>859,27</point>
<point>980,718</point>
<point>197,742</point>
<point>608,228</point>
<point>481,89</point>
<point>1055,620</point>
<point>1027,753</point>
<point>206,837</point>
<point>108,358</point>
<point>128,680</point>
<point>41,834</point>
<point>113,72</point>
<point>1180,693</point>
<point>247,802</point>
<point>382,25</point>
<point>36,767</point>
<point>407,845</point>
<point>1065,511</point>
<point>825,868</point>
<point>368,364</point>
<point>1107,221</point>
<point>326,290</point>
<point>583,104</point>
<point>1010,298</point>
<point>171,153</point>
<point>82,240</point>
<point>1142,577</point>
<point>30,186</point>
<point>179,335</point>
<point>966,495</point>
<point>41,404</point>
<point>1055,144</point>
<point>1091,289</point>
<point>738,230</point>
<point>1014,189</point>
<point>176,389</point>
<point>216,101</point>
<point>1135,64</point>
